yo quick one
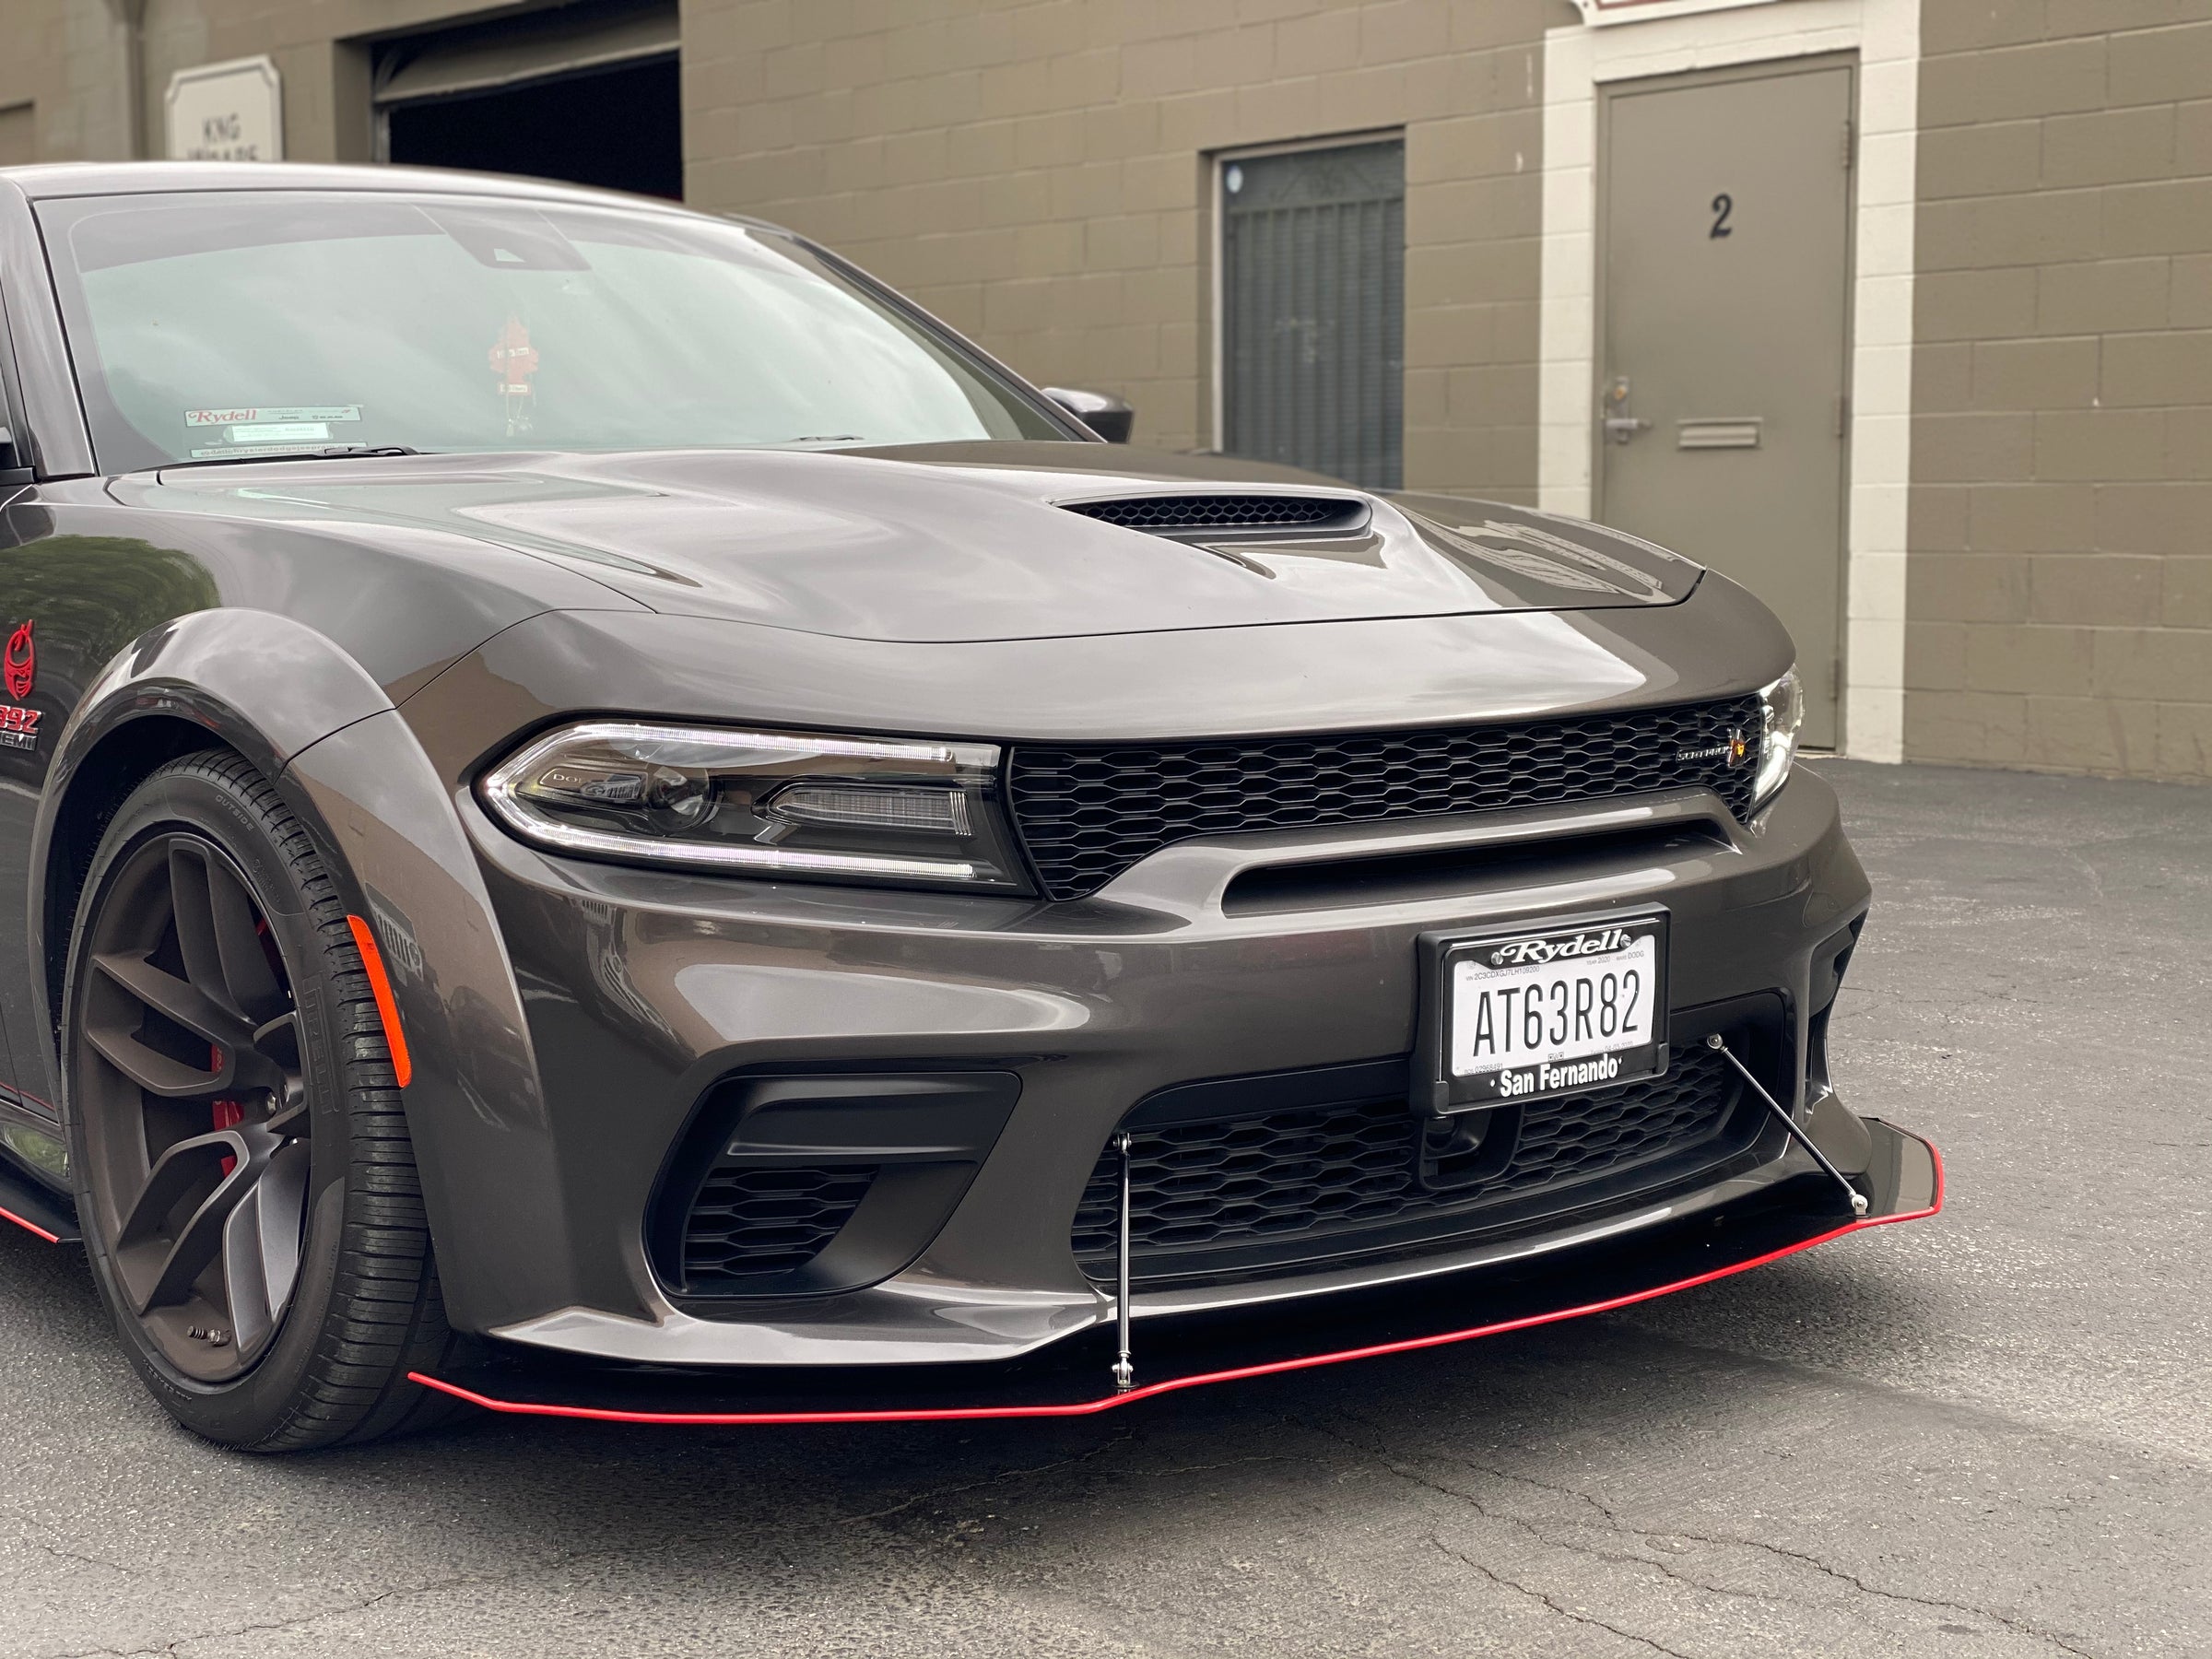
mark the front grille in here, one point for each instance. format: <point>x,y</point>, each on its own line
<point>748,1222</point>
<point>1087,814</point>
<point>1273,1183</point>
<point>1216,512</point>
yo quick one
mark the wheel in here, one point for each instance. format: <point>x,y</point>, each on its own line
<point>244,1182</point>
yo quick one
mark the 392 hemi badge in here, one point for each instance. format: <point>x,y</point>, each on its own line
<point>20,673</point>
<point>1507,1017</point>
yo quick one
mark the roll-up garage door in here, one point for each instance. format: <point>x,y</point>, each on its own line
<point>584,92</point>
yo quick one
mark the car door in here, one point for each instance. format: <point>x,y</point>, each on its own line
<point>31,1096</point>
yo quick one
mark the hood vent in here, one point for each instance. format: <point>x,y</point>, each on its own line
<point>1214,517</point>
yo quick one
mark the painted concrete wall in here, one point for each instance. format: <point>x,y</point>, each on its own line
<point>2061,586</point>
<point>1037,174</point>
<point>1039,171</point>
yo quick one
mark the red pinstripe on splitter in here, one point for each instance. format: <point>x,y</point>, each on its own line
<point>954,1414</point>
<point>30,1227</point>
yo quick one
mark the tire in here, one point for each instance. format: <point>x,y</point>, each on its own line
<point>244,1181</point>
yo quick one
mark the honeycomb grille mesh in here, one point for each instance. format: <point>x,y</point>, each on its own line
<point>1288,1177</point>
<point>1215,511</point>
<point>748,1222</point>
<point>1087,814</point>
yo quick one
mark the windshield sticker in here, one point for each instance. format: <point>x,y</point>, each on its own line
<point>251,416</point>
<point>513,361</point>
<point>285,432</point>
<point>235,451</point>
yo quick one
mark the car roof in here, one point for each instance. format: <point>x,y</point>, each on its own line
<point>46,181</point>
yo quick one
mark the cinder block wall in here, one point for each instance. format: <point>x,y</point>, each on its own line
<point>1035,174</point>
<point>2061,576</point>
<point>62,93</point>
<point>63,86</point>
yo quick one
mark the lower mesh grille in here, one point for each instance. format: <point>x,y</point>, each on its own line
<point>748,1222</point>
<point>1286,1178</point>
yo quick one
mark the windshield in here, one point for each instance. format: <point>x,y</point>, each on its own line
<point>230,325</point>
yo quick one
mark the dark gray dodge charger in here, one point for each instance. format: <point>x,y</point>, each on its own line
<point>604,818</point>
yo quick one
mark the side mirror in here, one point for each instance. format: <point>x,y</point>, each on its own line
<point>14,465</point>
<point>1103,413</point>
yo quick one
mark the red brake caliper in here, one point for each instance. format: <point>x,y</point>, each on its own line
<point>228,1113</point>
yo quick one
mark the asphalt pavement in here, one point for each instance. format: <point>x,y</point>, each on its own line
<point>1987,1434</point>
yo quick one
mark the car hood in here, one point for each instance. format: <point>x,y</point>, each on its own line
<point>959,542</point>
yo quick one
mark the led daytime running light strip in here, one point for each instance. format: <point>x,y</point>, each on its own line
<point>571,838</point>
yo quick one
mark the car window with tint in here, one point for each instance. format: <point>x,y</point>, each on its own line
<point>230,324</point>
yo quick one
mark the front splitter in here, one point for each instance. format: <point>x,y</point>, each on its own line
<point>1903,1182</point>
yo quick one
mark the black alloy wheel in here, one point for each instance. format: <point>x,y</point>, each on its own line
<point>199,1137</point>
<point>244,1181</point>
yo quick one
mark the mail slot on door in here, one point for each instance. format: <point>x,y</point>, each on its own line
<point>1733,432</point>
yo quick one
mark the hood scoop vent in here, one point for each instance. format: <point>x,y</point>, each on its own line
<point>1230,517</point>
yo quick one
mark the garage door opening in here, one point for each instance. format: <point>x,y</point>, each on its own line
<point>588,95</point>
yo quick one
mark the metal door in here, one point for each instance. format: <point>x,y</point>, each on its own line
<point>1313,310</point>
<point>1726,257</point>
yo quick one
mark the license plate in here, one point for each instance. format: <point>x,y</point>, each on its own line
<point>1550,1011</point>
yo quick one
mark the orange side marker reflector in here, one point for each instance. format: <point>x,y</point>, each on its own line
<point>403,1066</point>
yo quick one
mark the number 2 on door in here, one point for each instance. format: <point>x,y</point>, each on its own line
<point>1722,206</point>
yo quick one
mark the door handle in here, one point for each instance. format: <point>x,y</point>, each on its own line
<point>1620,425</point>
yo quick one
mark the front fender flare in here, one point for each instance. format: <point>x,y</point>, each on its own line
<point>264,684</point>
<point>476,1110</point>
<point>260,683</point>
<point>296,704</point>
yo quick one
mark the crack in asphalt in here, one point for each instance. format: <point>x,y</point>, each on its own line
<point>78,1555</point>
<point>1539,1532</point>
<point>171,1649</point>
<point>1628,1529</point>
<point>267,1627</point>
<point>1534,1593</point>
<point>932,1494</point>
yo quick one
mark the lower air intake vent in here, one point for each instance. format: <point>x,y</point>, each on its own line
<point>747,1222</point>
<point>1168,515</point>
<point>812,1183</point>
<point>1254,1193</point>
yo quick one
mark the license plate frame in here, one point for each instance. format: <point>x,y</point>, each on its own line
<point>1438,1090</point>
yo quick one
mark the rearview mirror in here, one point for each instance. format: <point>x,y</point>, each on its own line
<point>1102,412</point>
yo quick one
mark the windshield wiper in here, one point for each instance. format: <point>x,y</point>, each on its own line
<point>333,452</point>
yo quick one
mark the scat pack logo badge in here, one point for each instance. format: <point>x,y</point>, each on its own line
<point>20,672</point>
<point>22,663</point>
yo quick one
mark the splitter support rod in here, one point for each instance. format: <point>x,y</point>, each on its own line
<point>1858,1199</point>
<point>1124,1371</point>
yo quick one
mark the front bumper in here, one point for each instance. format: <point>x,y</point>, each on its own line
<point>643,991</point>
<point>1902,1181</point>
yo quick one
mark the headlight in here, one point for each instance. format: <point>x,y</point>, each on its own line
<point>1781,712</point>
<point>761,803</point>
